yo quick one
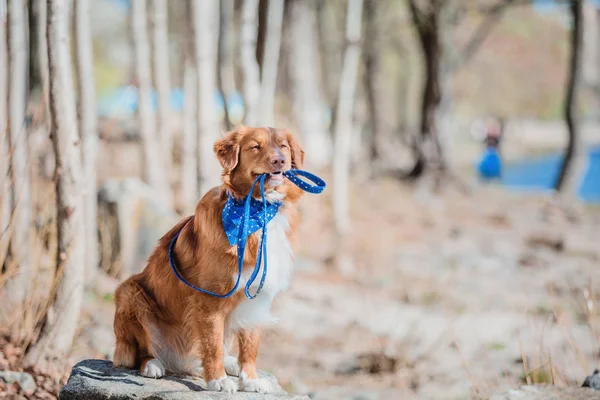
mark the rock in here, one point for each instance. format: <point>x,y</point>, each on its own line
<point>548,392</point>
<point>99,380</point>
<point>593,381</point>
<point>23,379</point>
<point>131,221</point>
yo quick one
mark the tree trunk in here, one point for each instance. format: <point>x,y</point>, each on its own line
<point>206,20</point>
<point>20,245</point>
<point>567,175</point>
<point>154,156</point>
<point>88,133</point>
<point>250,67</point>
<point>344,114</point>
<point>428,148</point>
<point>60,323</point>
<point>372,75</point>
<point>4,149</point>
<point>225,75</point>
<point>162,79</point>
<point>189,163</point>
<point>307,96</point>
<point>270,63</point>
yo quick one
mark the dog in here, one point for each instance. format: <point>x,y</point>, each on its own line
<point>163,326</point>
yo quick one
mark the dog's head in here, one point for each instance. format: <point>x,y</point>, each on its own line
<point>246,153</point>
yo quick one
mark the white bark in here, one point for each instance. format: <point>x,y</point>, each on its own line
<point>228,70</point>
<point>307,96</point>
<point>162,79</point>
<point>189,163</point>
<point>4,149</point>
<point>56,338</point>
<point>250,67</point>
<point>344,115</point>
<point>205,20</point>
<point>88,133</point>
<point>154,171</point>
<point>20,246</point>
<point>270,63</point>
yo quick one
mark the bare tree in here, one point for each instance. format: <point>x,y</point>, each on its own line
<point>20,245</point>
<point>189,163</point>
<point>87,132</point>
<point>568,175</point>
<point>4,146</point>
<point>162,79</point>
<point>344,115</point>
<point>250,67</point>
<point>60,323</point>
<point>270,62</point>
<point>372,74</point>
<point>225,73</point>
<point>154,156</point>
<point>306,93</point>
<point>206,20</point>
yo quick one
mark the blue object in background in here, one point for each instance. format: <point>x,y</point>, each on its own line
<point>490,165</point>
<point>123,102</point>
<point>540,174</point>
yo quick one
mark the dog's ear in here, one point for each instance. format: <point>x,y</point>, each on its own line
<point>296,150</point>
<point>228,150</point>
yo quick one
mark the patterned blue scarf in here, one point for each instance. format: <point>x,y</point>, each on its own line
<point>233,215</point>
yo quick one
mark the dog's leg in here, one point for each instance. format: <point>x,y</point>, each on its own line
<point>249,380</point>
<point>211,332</point>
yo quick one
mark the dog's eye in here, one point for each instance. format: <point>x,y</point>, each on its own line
<point>255,147</point>
<point>284,146</point>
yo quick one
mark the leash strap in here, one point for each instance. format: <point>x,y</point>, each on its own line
<point>293,176</point>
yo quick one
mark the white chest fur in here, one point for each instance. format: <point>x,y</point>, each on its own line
<point>257,312</point>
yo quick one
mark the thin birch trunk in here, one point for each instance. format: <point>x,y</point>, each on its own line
<point>60,324</point>
<point>250,67</point>
<point>4,147</point>
<point>226,84</point>
<point>20,246</point>
<point>154,156</point>
<point>189,163</point>
<point>162,78</point>
<point>307,97</point>
<point>344,114</point>
<point>206,20</point>
<point>270,63</point>
<point>88,133</point>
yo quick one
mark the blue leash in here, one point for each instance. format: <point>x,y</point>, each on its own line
<point>294,177</point>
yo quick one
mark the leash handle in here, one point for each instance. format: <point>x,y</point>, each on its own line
<point>294,174</point>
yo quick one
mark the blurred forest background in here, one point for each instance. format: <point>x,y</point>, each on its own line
<point>415,278</point>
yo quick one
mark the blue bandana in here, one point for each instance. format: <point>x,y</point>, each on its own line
<point>233,214</point>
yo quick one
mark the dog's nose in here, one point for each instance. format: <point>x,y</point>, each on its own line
<point>278,161</point>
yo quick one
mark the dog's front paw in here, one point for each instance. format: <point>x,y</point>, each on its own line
<point>226,385</point>
<point>153,369</point>
<point>232,368</point>
<point>259,385</point>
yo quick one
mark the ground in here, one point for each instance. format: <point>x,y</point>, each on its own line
<point>449,296</point>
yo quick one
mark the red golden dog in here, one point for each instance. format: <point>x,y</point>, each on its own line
<point>162,325</point>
